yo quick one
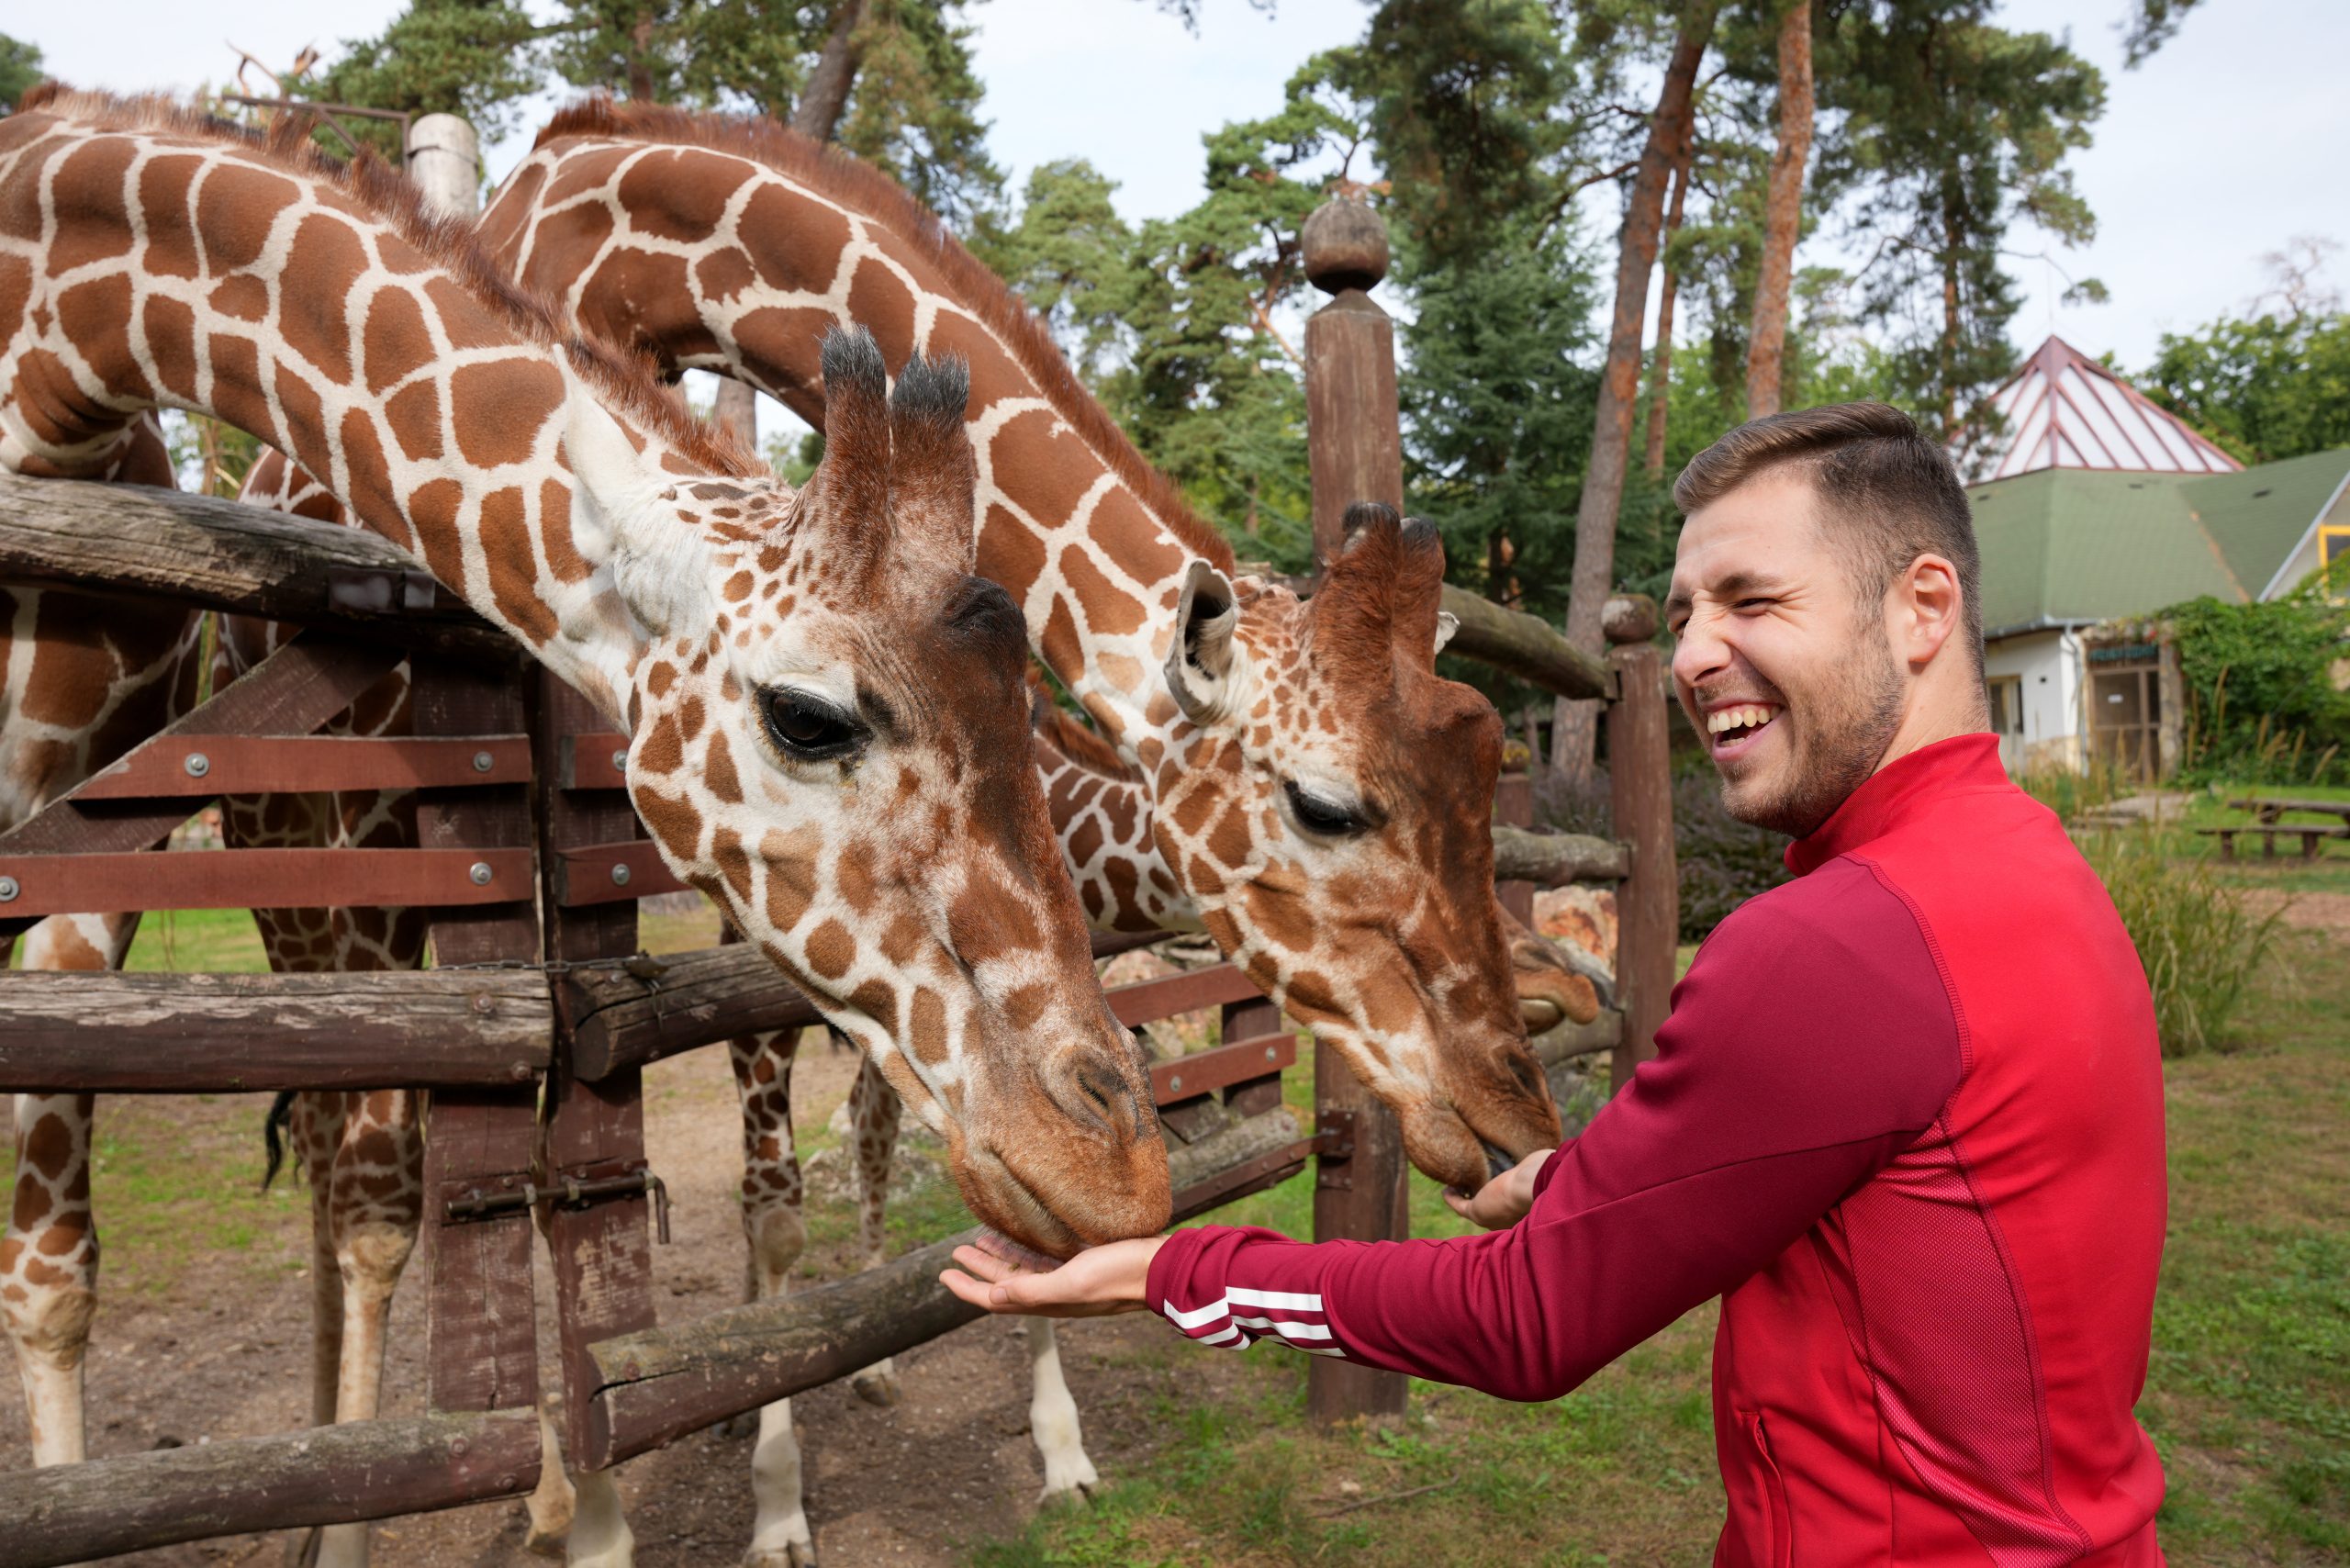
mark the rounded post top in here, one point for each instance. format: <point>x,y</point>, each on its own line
<point>1345,246</point>
<point>1628,618</point>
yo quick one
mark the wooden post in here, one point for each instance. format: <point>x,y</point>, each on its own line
<point>1355,450</point>
<point>601,1251</point>
<point>1640,772</point>
<point>444,160</point>
<point>481,1338</point>
<point>1514,807</point>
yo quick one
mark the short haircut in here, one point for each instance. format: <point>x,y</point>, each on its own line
<point>1886,493</point>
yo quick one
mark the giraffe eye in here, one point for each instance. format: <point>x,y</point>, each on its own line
<point>1317,816</point>
<point>808,728</point>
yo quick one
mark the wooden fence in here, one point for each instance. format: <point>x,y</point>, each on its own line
<point>531,862</point>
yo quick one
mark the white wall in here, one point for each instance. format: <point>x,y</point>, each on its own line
<point>2049,664</point>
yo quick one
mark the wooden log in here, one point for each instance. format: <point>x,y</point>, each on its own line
<point>1514,812</point>
<point>1554,859</point>
<point>1524,645</point>
<point>225,1033</point>
<point>621,1020</point>
<point>322,1476</point>
<point>664,1383</point>
<point>217,555</point>
<point>1647,904</point>
<point>1571,1039</point>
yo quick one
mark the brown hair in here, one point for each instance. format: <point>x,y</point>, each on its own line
<point>1890,494</point>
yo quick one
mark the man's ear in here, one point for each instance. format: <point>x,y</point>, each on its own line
<point>661,565</point>
<point>1199,664</point>
<point>1931,609</point>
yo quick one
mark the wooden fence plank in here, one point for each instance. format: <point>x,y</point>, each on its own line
<point>192,1033</point>
<point>252,765</point>
<point>263,879</point>
<point>320,1475</point>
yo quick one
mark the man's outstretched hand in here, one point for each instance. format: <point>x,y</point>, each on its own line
<point>1097,1282</point>
<point>1502,1201</point>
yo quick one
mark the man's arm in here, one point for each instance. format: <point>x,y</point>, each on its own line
<point>1812,1041</point>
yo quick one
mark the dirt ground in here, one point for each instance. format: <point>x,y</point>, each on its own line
<point>216,1346</point>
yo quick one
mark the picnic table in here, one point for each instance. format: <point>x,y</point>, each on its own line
<point>2266,812</point>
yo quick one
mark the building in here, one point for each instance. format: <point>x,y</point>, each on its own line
<point>2095,509</point>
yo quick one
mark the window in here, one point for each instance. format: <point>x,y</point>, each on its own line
<point>2333,555</point>
<point>2007,705</point>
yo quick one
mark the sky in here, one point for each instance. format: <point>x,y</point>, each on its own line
<point>2219,150</point>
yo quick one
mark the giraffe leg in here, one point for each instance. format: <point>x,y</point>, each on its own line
<point>554,1503</point>
<point>773,1225</point>
<point>1052,1420</point>
<point>49,1254</point>
<point>873,1122</point>
<point>375,1206</point>
<point>599,1534</point>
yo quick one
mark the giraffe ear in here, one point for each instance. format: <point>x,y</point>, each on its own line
<point>1446,623</point>
<point>662,566</point>
<point>1200,664</point>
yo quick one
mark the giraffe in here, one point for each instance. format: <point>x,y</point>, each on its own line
<point>816,690</point>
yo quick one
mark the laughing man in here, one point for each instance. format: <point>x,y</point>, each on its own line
<point>1905,1119</point>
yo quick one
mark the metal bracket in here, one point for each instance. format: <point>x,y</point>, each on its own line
<point>369,591</point>
<point>1334,1148</point>
<point>564,1192</point>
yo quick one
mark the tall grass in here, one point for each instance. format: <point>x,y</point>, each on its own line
<point>2070,792</point>
<point>2200,945</point>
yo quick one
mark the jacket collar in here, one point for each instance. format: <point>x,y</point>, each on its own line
<point>1898,791</point>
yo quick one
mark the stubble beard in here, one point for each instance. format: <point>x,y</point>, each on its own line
<point>1846,727</point>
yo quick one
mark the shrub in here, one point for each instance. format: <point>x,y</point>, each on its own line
<point>2262,706</point>
<point>2200,946</point>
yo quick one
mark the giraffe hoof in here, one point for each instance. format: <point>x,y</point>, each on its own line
<point>545,1543</point>
<point>878,1387</point>
<point>791,1554</point>
<point>1069,1492</point>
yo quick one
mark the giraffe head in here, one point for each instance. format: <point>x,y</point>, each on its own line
<point>1318,771</point>
<point>828,738</point>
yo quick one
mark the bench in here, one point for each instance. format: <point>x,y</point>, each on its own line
<point>2267,810</point>
<point>2268,831</point>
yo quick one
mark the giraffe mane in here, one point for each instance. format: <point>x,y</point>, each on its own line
<point>627,381</point>
<point>872,195</point>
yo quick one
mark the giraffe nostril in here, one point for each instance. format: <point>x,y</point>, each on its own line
<point>1095,1094</point>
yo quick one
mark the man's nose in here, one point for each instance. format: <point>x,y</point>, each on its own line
<point>1699,651</point>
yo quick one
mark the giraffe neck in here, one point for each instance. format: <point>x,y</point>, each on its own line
<point>178,267</point>
<point>714,259</point>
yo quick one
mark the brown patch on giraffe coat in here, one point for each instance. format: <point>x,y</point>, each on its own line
<point>1109,609</point>
<point>432,510</point>
<point>370,475</point>
<point>564,558</point>
<point>732,860</point>
<point>1062,648</point>
<point>718,770</point>
<point>878,999</point>
<point>574,232</point>
<point>670,198</point>
<point>722,275</point>
<point>926,1025</point>
<point>589,172</point>
<point>415,414</point>
<point>831,949</point>
<point>983,925</point>
<point>87,193</point>
<point>327,258</point>
<point>644,298</point>
<point>170,233</point>
<point>305,419</point>
<point>881,303</point>
<point>791,874</point>
<point>513,573</point>
<point>901,940</point>
<point>781,228</point>
<point>241,298</point>
<point>1231,840</point>
<point>1282,915</point>
<point>673,820</point>
<point>49,1147</point>
<point>236,386</point>
<point>395,344</point>
<point>1015,555</point>
<point>96,316</point>
<point>853,879</point>
<point>498,410</point>
<point>664,748</point>
<point>170,327</point>
<point>234,212</point>
<point>1085,843</point>
<point>1133,538</point>
<point>33,1206</point>
<point>16,287</point>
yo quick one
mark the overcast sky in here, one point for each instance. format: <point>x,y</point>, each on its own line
<point>2223,147</point>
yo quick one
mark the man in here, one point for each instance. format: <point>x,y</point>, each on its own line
<point>1905,1119</point>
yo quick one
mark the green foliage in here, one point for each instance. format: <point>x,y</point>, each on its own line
<point>2264,389</point>
<point>20,71</point>
<point>474,58</point>
<point>1069,253</point>
<point>2262,706</point>
<point>2200,945</point>
<point>1948,130</point>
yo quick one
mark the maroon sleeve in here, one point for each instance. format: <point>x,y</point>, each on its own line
<point>1812,1041</point>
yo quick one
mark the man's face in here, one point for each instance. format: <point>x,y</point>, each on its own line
<point>1781,665</point>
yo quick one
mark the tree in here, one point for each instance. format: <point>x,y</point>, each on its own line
<point>1572,733</point>
<point>1072,256</point>
<point>1951,129</point>
<point>20,71</point>
<point>2264,388</point>
<point>1782,214</point>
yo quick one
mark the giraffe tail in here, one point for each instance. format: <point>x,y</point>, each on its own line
<point>273,1135</point>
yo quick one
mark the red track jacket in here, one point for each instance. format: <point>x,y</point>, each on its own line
<point>1905,1119</point>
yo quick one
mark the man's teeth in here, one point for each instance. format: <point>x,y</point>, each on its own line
<point>1751,715</point>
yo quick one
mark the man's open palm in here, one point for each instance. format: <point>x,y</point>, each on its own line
<point>1097,1282</point>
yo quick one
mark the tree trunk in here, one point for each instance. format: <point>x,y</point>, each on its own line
<point>1572,729</point>
<point>640,59</point>
<point>1660,396</point>
<point>818,113</point>
<point>1782,214</point>
<point>1948,354</point>
<point>736,411</point>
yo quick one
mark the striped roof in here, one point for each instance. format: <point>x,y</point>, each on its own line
<point>2064,409</point>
